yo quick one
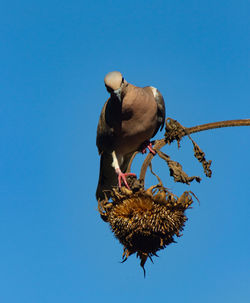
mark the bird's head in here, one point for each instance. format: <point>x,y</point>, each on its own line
<point>114,82</point>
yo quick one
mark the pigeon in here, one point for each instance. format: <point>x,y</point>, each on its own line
<point>129,119</point>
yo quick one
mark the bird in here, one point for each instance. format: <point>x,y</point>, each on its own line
<point>129,119</point>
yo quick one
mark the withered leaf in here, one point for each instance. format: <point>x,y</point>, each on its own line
<point>176,170</point>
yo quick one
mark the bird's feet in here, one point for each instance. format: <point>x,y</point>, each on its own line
<point>122,177</point>
<point>147,145</point>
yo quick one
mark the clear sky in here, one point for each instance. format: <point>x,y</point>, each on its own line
<point>53,58</point>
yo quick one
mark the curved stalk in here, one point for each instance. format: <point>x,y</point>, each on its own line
<point>190,130</point>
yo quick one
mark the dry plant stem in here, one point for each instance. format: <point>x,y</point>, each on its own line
<point>130,162</point>
<point>228,123</point>
<point>190,130</point>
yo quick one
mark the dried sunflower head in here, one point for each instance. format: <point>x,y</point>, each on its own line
<point>145,221</point>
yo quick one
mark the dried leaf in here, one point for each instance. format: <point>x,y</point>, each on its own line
<point>200,156</point>
<point>176,171</point>
<point>174,131</point>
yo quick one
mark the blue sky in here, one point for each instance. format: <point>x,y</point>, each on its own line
<point>53,58</point>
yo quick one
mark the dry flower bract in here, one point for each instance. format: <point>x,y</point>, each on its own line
<point>145,221</point>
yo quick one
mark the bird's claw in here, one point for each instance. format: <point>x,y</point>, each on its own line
<point>122,177</point>
<point>148,145</point>
<point>150,148</point>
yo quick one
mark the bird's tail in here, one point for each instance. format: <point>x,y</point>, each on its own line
<point>107,176</point>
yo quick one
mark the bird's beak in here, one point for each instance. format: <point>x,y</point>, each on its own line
<point>117,92</point>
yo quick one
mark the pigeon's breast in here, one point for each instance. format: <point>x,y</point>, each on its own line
<point>139,120</point>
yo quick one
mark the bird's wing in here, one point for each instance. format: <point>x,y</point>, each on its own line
<point>107,176</point>
<point>105,132</point>
<point>160,110</point>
